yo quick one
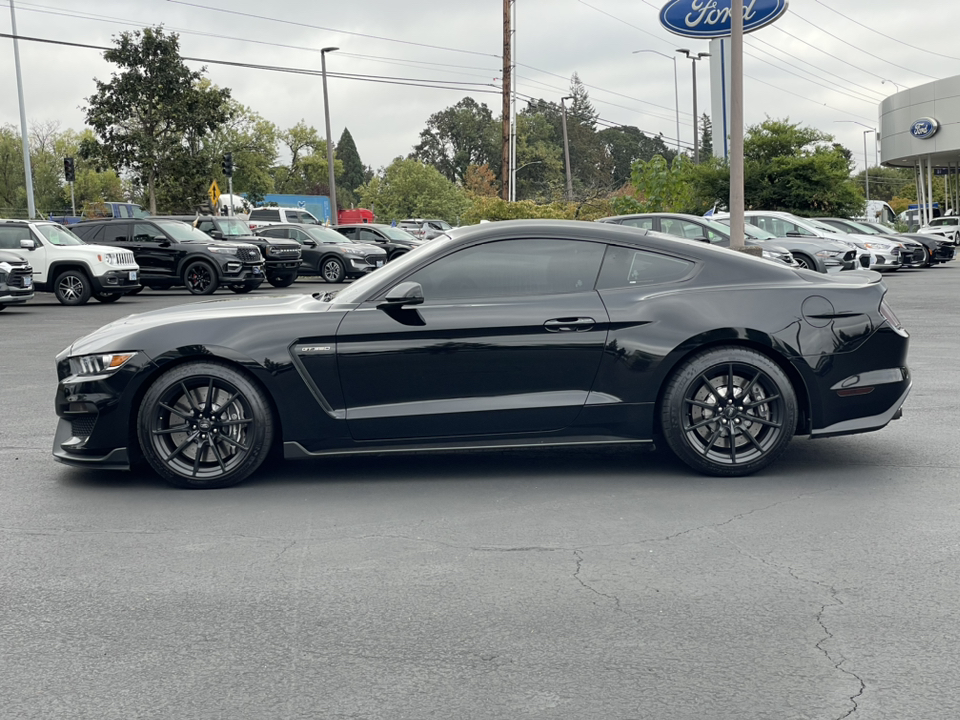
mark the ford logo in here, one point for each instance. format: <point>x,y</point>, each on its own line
<point>924,128</point>
<point>711,18</point>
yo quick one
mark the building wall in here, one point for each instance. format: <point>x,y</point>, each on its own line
<point>940,100</point>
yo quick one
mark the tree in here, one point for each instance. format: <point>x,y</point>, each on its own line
<point>153,113</point>
<point>353,170</point>
<point>480,181</point>
<point>887,183</point>
<point>409,188</point>
<point>706,136</point>
<point>625,145</point>
<point>464,134</point>
<point>253,142</point>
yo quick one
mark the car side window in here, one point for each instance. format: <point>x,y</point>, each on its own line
<point>206,226</point>
<point>116,232</point>
<point>348,233</point>
<point>142,232</point>
<point>273,232</point>
<point>265,214</point>
<point>367,235</point>
<point>627,267</point>
<point>512,268</point>
<point>645,223</point>
<point>11,235</point>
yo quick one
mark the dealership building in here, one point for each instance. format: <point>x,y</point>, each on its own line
<point>920,129</point>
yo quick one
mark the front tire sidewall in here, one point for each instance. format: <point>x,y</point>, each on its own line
<point>107,297</point>
<point>332,271</point>
<point>260,435</point>
<point>282,281</point>
<point>200,278</point>
<point>674,406</point>
<point>72,287</point>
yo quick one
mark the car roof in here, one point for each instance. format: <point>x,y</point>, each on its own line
<point>376,225</point>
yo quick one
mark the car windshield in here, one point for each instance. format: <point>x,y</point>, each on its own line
<point>821,226</point>
<point>440,225</point>
<point>865,229</point>
<point>325,235</point>
<point>876,226</point>
<point>181,232</point>
<point>397,233</point>
<point>233,228</point>
<point>749,230</point>
<point>58,235</point>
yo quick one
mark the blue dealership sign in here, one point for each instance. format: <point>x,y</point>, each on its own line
<point>711,18</point>
<point>924,128</point>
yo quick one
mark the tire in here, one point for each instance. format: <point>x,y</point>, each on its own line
<point>241,289</point>
<point>2,308</point>
<point>282,281</point>
<point>72,287</point>
<point>805,262</point>
<point>332,270</point>
<point>397,255</point>
<point>762,426</point>
<point>194,444</point>
<point>107,297</point>
<point>927,257</point>
<point>200,278</point>
<point>136,292</point>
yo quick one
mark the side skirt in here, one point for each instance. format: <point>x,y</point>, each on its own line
<point>296,451</point>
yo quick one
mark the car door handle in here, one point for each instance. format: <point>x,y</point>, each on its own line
<point>571,324</point>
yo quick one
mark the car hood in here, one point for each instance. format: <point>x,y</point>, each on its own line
<point>11,259</point>
<point>126,333</point>
<point>362,248</point>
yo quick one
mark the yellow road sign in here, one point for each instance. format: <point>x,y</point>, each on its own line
<point>214,194</point>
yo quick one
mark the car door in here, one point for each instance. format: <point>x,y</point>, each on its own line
<point>507,340</point>
<point>155,252</point>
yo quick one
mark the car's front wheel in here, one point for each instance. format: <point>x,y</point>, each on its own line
<point>72,287</point>
<point>200,278</point>
<point>107,297</point>
<point>205,425</point>
<point>241,289</point>
<point>282,281</point>
<point>805,261</point>
<point>333,270</point>
<point>728,411</point>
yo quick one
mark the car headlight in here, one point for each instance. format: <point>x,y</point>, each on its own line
<point>222,250</point>
<point>101,364</point>
<point>828,253</point>
<point>883,247</point>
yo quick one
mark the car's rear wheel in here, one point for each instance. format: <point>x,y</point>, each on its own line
<point>200,278</point>
<point>72,287</point>
<point>927,257</point>
<point>282,281</point>
<point>729,411</point>
<point>805,261</point>
<point>333,270</point>
<point>205,425</point>
<point>107,297</point>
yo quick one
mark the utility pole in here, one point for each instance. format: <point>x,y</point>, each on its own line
<point>736,124</point>
<point>513,102</point>
<point>566,147</point>
<point>505,114</point>
<point>27,169</point>
<point>334,217</point>
<point>696,118</point>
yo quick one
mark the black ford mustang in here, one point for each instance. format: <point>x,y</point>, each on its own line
<point>525,333</point>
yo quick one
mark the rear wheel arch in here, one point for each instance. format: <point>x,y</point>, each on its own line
<point>804,407</point>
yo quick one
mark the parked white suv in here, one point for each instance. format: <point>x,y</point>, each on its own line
<point>262,217</point>
<point>948,227</point>
<point>66,266</point>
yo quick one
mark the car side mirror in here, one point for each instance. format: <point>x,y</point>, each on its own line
<point>702,238</point>
<point>309,243</point>
<point>164,243</point>
<point>216,235</point>
<point>408,293</point>
<point>28,244</point>
<point>794,234</point>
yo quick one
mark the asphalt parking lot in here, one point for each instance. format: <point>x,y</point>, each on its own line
<point>540,584</point>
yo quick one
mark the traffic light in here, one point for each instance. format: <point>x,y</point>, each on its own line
<point>69,169</point>
<point>227,164</point>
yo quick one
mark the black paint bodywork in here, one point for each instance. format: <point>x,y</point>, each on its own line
<point>347,376</point>
<point>376,233</point>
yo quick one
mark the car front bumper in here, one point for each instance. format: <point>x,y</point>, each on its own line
<point>117,281</point>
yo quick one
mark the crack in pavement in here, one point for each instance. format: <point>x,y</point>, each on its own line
<point>576,575</point>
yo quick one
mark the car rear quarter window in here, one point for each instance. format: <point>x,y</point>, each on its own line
<point>512,268</point>
<point>628,267</point>
<point>645,223</point>
<point>265,214</point>
<point>116,232</point>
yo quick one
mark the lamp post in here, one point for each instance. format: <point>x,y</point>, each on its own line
<point>696,120</point>
<point>883,82</point>
<point>866,159</point>
<point>27,170</point>
<point>566,147</point>
<point>676,88</point>
<point>326,117</point>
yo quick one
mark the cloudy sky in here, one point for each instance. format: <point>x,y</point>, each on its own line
<point>814,65</point>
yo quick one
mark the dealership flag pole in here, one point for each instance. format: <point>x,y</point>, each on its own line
<point>736,124</point>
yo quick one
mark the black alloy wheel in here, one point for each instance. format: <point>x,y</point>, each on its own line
<point>282,281</point>
<point>729,411</point>
<point>241,289</point>
<point>333,270</point>
<point>106,297</point>
<point>205,425</point>
<point>805,262</point>
<point>72,287</point>
<point>200,278</point>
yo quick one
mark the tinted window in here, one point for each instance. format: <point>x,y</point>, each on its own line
<point>11,235</point>
<point>512,268</point>
<point>274,232</point>
<point>645,223</point>
<point>145,232</point>
<point>369,236</point>
<point>323,234</point>
<point>265,214</point>
<point>778,226</point>
<point>626,267</point>
<point>206,226</point>
<point>92,234</point>
<point>180,231</point>
<point>350,233</point>
<point>114,232</point>
<point>687,229</point>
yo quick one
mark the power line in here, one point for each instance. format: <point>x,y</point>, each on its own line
<point>865,52</point>
<point>802,97</point>
<point>821,50</point>
<point>926,50</point>
<point>635,27</point>
<point>869,101</point>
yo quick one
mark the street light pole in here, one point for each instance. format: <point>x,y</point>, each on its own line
<point>737,195</point>
<point>27,169</point>
<point>326,116</point>
<point>696,118</point>
<point>866,158</point>
<point>676,88</point>
<point>566,147</point>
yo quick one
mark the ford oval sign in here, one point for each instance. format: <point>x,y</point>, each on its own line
<point>924,128</point>
<point>711,18</point>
